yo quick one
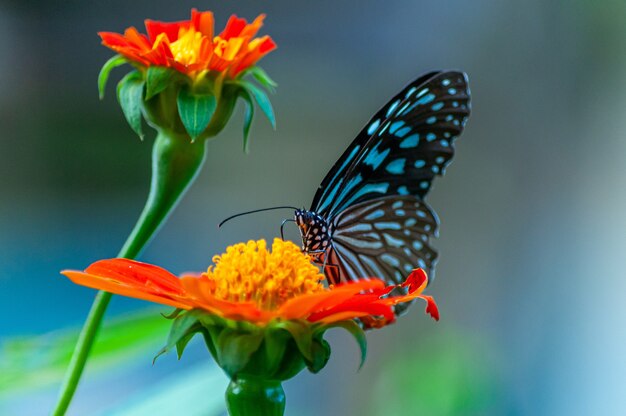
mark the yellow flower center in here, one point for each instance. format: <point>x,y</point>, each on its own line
<point>187,47</point>
<point>248,272</point>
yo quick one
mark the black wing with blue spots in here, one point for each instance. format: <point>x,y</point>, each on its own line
<point>403,147</point>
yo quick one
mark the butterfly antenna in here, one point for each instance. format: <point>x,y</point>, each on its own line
<point>252,212</point>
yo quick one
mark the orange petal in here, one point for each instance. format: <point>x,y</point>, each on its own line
<point>140,41</point>
<point>431,307</point>
<point>170,29</point>
<point>199,290</point>
<point>203,22</point>
<point>138,274</point>
<point>111,39</point>
<point>303,306</point>
<point>251,29</point>
<point>234,26</point>
<point>353,311</point>
<point>109,285</point>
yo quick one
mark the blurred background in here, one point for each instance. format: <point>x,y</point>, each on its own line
<point>530,277</point>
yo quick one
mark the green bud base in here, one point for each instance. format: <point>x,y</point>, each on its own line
<point>255,397</point>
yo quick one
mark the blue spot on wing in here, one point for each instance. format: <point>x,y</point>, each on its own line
<point>395,126</point>
<point>379,188</point>
<point>374,158</point>
<point>401,110</point>
<point>426,99</point>
<point>379,213</point>
<point>384,128</point>
<point>422,101</point>
<point>403,131</point>
<point>372,128</point>
<point>392,107</point>
<point>437,107</point>
<point>389,259</point>
<point>410,141</point>
<point>396,167</point>
<point>347,189</point>
<point>388,226</point>
<point>328,197</point>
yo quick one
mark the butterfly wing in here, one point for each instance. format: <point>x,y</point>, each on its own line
<point>387,236</point>
<point>403,147</point>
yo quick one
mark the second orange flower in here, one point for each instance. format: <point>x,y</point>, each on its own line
<point>192,47</point>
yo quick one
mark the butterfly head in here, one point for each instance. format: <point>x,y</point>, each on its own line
<point>314,231</point>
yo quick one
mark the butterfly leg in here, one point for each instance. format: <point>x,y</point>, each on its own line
<point>282,225</point>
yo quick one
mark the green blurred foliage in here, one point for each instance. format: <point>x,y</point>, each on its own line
<point>452,374</point>
<point>39,361</point>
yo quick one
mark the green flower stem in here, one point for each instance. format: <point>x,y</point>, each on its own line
<point>255,397</point>
<point>175,164</point>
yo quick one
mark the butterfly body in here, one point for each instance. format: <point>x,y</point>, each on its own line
<point>368,217</point>
<point>314,231</point>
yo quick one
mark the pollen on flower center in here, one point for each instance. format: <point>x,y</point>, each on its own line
<point>248,272</point>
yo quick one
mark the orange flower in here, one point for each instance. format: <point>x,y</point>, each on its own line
<point>250,283</point>
<point>191,47</point>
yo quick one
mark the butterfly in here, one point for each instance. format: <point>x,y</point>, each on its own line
<point>368,216</point>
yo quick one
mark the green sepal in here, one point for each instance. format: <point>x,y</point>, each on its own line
<point>130,97</point>
<point>181,328</point>
<point>261,76</point>
<point>182,342</point>
<point>158,78</point>
<point>261,99</point>
<point>103,77</point>
<point>320,352</point>
<point>248,116</point>
<point>302,334</point>
<point>195,110</point>
<point>234,349</point>
<point>355,330</point>
<point>275,342</point>
<point>173,314</point>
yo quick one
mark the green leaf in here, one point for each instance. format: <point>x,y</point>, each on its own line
<point>157,79</point>
<point>356,331</point>
<point>234,349</point>
<point>262,100</point>
<point>248,116</point>
<point>301,333</point>
<point>195,111</point>
<point>103,77</point>
<point>261,76</point>
<point>130,96</point>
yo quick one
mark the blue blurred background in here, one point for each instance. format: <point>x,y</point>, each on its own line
<point>532,240</point>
